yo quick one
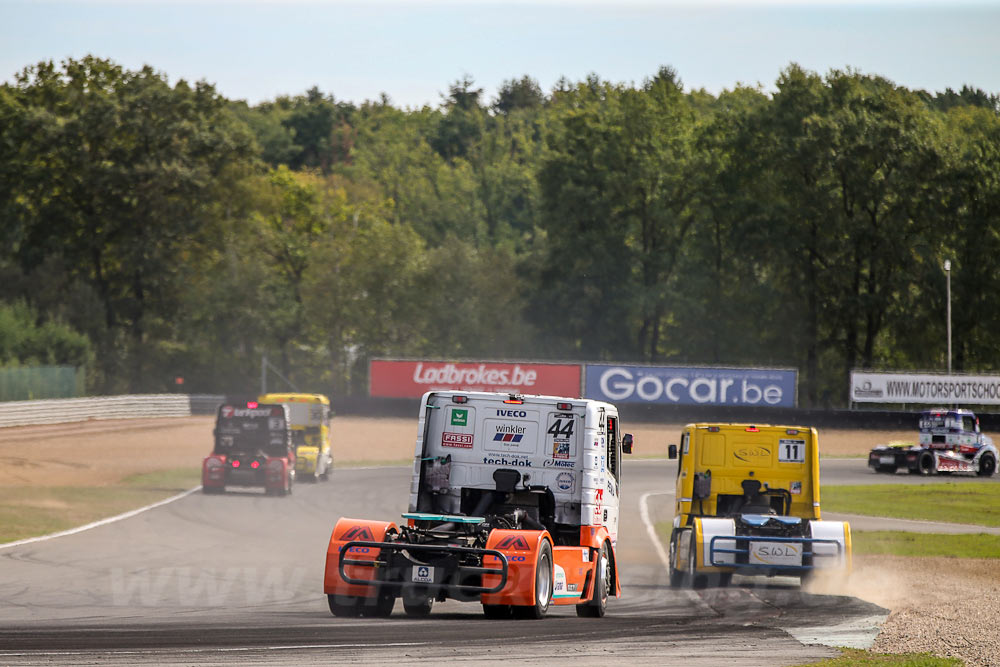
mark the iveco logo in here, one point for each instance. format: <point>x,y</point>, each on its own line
<point>511,413</point>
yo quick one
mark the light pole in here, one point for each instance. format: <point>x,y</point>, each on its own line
<point>947,276</point>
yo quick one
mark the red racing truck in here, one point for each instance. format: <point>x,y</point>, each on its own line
<point>514,504</point>
<point>253,448</point>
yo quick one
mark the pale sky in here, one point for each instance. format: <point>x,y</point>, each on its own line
<point>413,50</point>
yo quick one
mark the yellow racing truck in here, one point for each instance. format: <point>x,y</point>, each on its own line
<point>309,419</point>
<point>747,502</point>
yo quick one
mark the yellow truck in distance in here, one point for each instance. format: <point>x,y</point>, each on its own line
<point>309,419</point>
<point>747,502</point>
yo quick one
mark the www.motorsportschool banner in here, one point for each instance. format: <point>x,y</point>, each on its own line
<point>924,388</point>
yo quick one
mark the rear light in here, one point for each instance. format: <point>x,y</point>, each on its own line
<point>252,404</point>
<point>564,406</point>
<point>752,429</point>
<point>236,464</point>
<point>713,429</point>
<point>213,463</point>
<point>514,400</point>
<point>255,464</point>
<point>459,399</point>
<point>792,431</point>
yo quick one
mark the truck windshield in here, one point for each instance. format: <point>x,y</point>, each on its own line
<point>934,421</point>
<point>251,431</point>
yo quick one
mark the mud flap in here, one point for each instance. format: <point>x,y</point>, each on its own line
<point>348,530</point>
<point>521,548</point>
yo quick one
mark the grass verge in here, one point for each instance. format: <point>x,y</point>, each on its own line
<point>851,657</point>
<point>897,543</point>
<point>967,502</point>
<point>30,511</point>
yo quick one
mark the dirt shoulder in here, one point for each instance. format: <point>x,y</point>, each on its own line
<point>96,453</point>
<point>944,606</point>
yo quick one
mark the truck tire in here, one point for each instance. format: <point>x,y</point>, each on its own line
<point>676,575</point>
<point>543,585</point>
<point>379,606</point>
<point>597,606</point>
<point>342,605</point>
<point>417,606</point>
<point>925,465</point>
<point>987,466</point>
<point>695,580</point>
<point>496,611</point>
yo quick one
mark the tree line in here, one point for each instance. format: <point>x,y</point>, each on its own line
<point>159,230</point>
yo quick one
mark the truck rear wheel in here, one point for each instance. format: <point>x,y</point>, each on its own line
<point>676,575</point>
<point>379,606</point>
<point>987,466</point>
<point>695,580</point>
<point>543,585</point>
<point>342,605</point>
<point>597,606</point>
<point>417,606</point>
<point>926,464</point>
<point>496,611</point>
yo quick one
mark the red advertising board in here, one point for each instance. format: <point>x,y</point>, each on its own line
<point>411,379</point>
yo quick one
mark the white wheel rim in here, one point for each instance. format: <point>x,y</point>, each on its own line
<point>605,576</point>
<point>543,586</point>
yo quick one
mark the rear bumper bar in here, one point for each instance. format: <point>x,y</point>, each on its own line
<point>390,553</point>
<point>740,548</point>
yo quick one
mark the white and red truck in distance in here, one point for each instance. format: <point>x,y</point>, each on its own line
<point>950,441</point>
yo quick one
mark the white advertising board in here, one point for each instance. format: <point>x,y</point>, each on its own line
<point>927,388</point>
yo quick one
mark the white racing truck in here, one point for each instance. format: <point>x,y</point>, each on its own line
<point>950,441</point>
<point>514,504</point>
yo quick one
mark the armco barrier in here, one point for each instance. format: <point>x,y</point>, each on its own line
<point>18,413</point>
<point>59,410</point>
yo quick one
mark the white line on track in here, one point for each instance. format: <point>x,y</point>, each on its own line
<point>650,529</point>
<point>95,524</point>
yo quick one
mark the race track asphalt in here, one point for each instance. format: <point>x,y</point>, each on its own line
<point>237,578</point>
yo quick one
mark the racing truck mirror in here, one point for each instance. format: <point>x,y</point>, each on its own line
<point>672,452</point>
<point>627,443</point>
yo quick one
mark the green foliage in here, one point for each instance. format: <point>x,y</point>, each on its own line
<point>619,204</point>
<point>26,342</point>
<point>116,174</point>
<point>972,502</point>
<point>599,221</point>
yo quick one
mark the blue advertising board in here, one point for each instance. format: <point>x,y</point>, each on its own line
<point>673,385</point>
